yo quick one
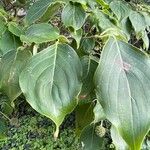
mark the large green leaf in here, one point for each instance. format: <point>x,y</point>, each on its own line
<point>122,85</point>
<point>120,8</point>
<point>73,15</point>
<point>11,66</point>
<point>51,81</point>
<point>39,33</point>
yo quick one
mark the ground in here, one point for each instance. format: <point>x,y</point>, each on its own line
<point>35,132</point>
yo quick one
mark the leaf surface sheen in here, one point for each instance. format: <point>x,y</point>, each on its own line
<point>51,81</point>
<point>122,83</point>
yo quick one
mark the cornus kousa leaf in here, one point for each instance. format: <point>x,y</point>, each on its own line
<point>138,21</point>
<point>90,138</point>
<point>73,15</point>
<point>9,42</point>
<point>15,29</point>
<point>122,82</point>
<point>38,9</point>
<point>88,90</point>
<point>121,9</point>
<point>119,143</point>
<point>11,66</point>
<point>51,11</point>
<point>39,33</point>
<point>51,82</point>
<point>84,116</point>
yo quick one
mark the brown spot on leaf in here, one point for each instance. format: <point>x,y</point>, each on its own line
<point>125,66</point>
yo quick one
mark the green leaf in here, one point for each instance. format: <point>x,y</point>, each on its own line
<point>39,33</point>
<point>84,116</point>
<point>5,104</point>
<point>126,26</point>
<point>9,42</point>
<point>122,82</point>
<point>87,93</point>
<point>51,11</point>
<point>98,113</point>
<point>37,10</point>
<point>77,35</point>
<point>51,82</point>
<point>73,15</point>
<point>86,46</point>
<point>102,3</point>
<point>2,26</point>
<point>147,18</point>
<point>104,22</point>
<point>145,39</point>
<point>83,2</point>
<point>90,140</point>
<point>22,1</point>
<point>138,21</point>
<point>11,66</point>
<point>118,141</point>
<point>3,129</point>
<point>121,9</point>
<point>15,29</point>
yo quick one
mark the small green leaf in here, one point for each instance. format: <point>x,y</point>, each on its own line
<point>73,15</point>
<point>15,29</point>
<point>102,3</point>
<point>37,10</point>
<point>138,21</point>
<point>145,39</point>
<point>51,82</point>
<point>63,39</point>
<point>121,9</point>
<point>77,35</point>
<point>3,129</point>
<point>90,140</point>
<point>87,93</point>
<point>5,104</point>
<point>84,116</point>
<point>9,42</point>
<point>147,18</point>
<point>83,2</point>
<point>22,1</point>
<point>126,26</point>
<point>51,11</point>
<point>98,113</point>
<point>104,22</point>
<point>40,33</point>
<point>2,26</point>
<point>11,66</point>
<point>118,141</point>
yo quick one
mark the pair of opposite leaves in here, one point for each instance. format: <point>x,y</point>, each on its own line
<point>52,80</point>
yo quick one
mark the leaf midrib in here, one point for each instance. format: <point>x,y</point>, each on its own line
<point>128,90</point>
